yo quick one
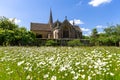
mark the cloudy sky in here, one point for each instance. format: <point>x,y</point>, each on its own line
<point>88,14</point>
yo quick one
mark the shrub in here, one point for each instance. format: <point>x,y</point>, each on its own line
<point>75,42</point>
<point>50,43</point>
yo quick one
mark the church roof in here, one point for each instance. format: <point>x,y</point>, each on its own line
<point>66,22</point>
<point>40,26</point>
<point>77,28</point>
<point>56,24</point>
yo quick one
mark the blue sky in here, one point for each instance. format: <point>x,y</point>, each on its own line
<point>88,14</point>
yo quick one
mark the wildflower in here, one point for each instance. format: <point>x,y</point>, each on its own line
<point>20,63</point>
<point>10,72</point>
<point>76,77</point>
<point>62,68</point>
<point>72,72</point>
<point>83,76</point>
<point>112,74</point>
<point>89,78</point>
<point>53,78</point>
<point>46,76</point>
<point>77,63</point>
<point>29,77</point>
<point>66,74</point>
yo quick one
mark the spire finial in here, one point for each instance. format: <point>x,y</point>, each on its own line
<point>50,18</point>
<point>73,22</point>
<point>66,17</point>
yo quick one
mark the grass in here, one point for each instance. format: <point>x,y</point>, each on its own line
<point>59,63</point>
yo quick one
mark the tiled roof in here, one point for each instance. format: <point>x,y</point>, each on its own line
<point>40,26</point>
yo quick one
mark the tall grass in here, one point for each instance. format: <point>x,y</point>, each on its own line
<point>59,63</point>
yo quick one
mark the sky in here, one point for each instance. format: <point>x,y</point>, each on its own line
<point>88,14</point>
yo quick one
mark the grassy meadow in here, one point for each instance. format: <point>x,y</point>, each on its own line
<point>59,63</point>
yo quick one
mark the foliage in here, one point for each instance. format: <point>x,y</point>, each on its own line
<point>85,37</point>
<point>75,42</point>
<point>5,23</point>
<point>59,63</point>
<point>110,37</point>
<point>50,43</point>
<point>94,37</point>
<point>11,34</point>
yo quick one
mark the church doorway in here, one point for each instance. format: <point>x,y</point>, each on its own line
<point>65,32</point>
<point>38,36</point>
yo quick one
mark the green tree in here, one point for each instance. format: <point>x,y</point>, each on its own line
<point>12,34</point>
<point>113,32</point>
<point>5,23</point>
<point>94,37</point>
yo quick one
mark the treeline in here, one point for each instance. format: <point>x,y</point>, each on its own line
<point>110,36</point>
<point>12,34</point>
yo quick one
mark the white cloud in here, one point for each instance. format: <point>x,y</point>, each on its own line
<point>100,26</point>
<point>15,20</point>
<point>87,33</point>
<point>85,29</point>
<point>76,21</point>
<point>96,3</point>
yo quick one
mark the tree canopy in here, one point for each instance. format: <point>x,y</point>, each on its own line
<point>12,34</point>
<point>110,37</point>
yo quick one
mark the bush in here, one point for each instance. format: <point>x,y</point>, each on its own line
<point>74,42</point>
<point>50,43</point>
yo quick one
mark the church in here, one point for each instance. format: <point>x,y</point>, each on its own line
<point>56,30</point>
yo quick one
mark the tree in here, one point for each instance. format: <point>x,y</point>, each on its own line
<point>12,34</point>
<point>113,32</point>
<point>94,37</point>
<point>5,23</point>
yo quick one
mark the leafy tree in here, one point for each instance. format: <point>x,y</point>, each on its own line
<point>5,23</point>
<point>113,32</point>
<point>11,34</point>
<point>94,37</point>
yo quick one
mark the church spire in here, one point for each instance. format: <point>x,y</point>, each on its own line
<point>50,18</point>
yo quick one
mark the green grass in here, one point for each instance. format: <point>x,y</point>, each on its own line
<point>59,63</point>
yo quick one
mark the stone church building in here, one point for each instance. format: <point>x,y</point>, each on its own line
<point>56,30</point>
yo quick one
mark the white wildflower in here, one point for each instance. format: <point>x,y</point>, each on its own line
<point>77,63</point>
<point>29,77</point>
<point>90,66</point>
<point>30,68</point>
<point>109,56</point>
<point>112,74</point>
<point>53,78</point>
<point>62,68</point>
<point>76,77</point>
<point>66,74</point>
<point>10,72</point>
<point>89,78</point>
<point>20,63</point>
<point>46,76</point>
<point>83,76</point>
<point>72,72</point>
